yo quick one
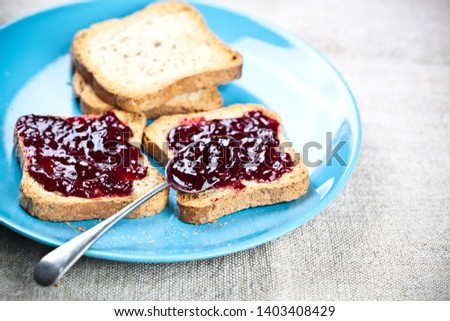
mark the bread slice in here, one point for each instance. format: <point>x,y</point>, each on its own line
<point>53,206</point>
<point>200,100</point>
<point>211,204</point>
<point>141,61</point>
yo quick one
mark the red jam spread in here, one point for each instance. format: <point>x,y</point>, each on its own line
<point>226,152</point>
<point>81,156</point>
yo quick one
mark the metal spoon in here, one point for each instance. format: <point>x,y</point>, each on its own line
<point>56,263</point>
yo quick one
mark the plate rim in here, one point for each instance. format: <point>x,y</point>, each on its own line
<point>236,247</point>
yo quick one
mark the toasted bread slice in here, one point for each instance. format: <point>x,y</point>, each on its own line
<point>53,206</point>
<point>211,204</point>
<point>141,61</point>
<point>200,100</point>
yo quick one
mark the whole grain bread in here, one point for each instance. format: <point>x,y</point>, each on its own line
<point>211,204</point>
<point>200,100</point>
<point>53,206</point>
<point>141,61</point>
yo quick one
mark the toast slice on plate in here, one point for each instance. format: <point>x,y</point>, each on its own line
<point>139,62</point>
<point>209,205</point>
<point>55,206</point>
<point>200,100</point>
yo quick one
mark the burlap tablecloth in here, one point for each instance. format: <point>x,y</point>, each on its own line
<point>385,237</point>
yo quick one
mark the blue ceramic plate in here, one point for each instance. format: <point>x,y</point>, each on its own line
<point>280,71</point>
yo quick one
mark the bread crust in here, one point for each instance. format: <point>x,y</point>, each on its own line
<point>201,100</point>
<point>214,203</point>
<point>135,100</point>
<point>53,206</point>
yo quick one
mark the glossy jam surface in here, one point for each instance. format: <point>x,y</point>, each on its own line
<point>226,152</point>
<point>80,156</point>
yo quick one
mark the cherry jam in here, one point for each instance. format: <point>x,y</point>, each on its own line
<point>226,152</point>
<point>81,156</point>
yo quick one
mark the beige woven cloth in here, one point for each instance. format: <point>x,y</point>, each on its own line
<point>385,237</point>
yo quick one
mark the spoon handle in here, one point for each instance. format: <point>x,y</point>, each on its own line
<point>56,263</point>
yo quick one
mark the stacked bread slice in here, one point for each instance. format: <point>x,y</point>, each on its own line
<point>160,60</point>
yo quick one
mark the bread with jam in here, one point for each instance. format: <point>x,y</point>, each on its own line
<point>213,203</point>
<point>71,174</point>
